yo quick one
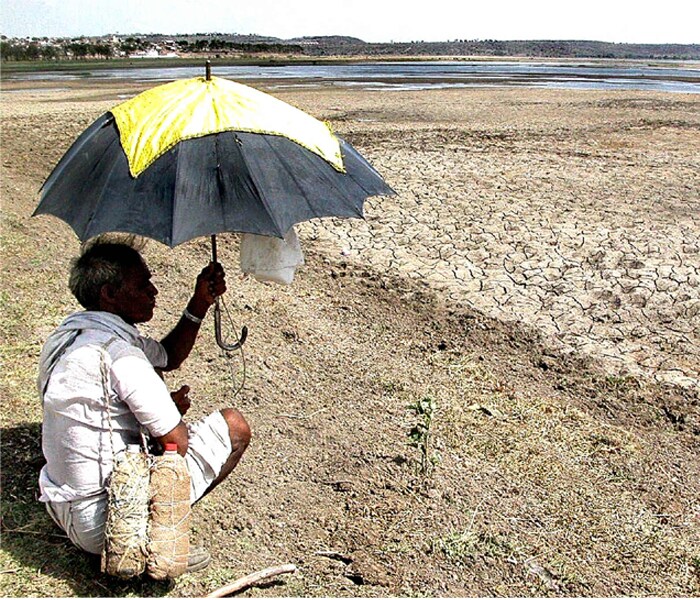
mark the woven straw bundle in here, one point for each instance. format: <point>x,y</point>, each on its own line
<point>169,542</point>
<point>126,525</point>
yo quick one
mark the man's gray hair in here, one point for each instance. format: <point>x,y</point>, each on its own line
<point>102,262</point>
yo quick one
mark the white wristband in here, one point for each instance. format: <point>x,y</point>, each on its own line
<point>190,317</point>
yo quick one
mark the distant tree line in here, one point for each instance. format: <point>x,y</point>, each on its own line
<point>222,45</point>
<point>35,50</point>
<point>42,49</point>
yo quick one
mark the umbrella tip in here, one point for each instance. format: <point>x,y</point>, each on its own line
<point>207,70</point>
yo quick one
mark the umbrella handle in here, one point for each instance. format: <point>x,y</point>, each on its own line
<point>217,330</point>
<point>217,316</point>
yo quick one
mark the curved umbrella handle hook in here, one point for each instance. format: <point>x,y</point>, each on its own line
<point>217,330</point>
<point>217,315</point>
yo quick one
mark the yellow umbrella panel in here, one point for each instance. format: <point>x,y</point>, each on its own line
<point>158,119</point>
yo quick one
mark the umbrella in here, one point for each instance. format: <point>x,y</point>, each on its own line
<point>203,156</point>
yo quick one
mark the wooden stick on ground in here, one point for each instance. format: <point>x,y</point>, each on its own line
<point>251,579</point>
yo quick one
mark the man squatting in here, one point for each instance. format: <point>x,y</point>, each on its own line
<point>112,282</point>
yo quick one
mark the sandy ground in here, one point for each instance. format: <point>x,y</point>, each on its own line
<point>537,275</point>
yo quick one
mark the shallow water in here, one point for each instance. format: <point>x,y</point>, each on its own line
<point>421,75</point>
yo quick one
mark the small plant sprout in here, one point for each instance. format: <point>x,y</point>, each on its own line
<point>420,436</point>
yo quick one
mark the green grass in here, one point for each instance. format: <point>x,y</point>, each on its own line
<point>464,547</point>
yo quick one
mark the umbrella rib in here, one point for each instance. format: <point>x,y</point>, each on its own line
<point>84,140</point>
<point>346,150</point>
<point>100,198</point>
<point>295,179</point>
<point>258,188</point>
<point>330,182</point>
<point>176,197</point>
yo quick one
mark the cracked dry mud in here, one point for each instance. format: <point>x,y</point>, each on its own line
<point>576,214</point>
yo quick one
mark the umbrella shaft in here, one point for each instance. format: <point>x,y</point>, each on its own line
<point>213,248</point>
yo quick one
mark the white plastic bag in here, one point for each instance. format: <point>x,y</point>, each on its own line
<point>270,258</point>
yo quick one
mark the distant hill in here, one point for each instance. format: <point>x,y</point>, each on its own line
<point>327,41</point>
<point>330,46</point>
<point>337,45</point>
<point>242,45</point>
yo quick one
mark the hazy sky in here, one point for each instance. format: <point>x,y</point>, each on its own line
<point>668,21</point>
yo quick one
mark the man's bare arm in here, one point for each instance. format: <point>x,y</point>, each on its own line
<point>178,436</point>
<point>179,342</point>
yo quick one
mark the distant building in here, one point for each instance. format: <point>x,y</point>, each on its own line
<point>150,53</point>
<point>156,52</point>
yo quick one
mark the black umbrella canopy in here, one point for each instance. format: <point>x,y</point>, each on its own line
<point>225,182</point>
